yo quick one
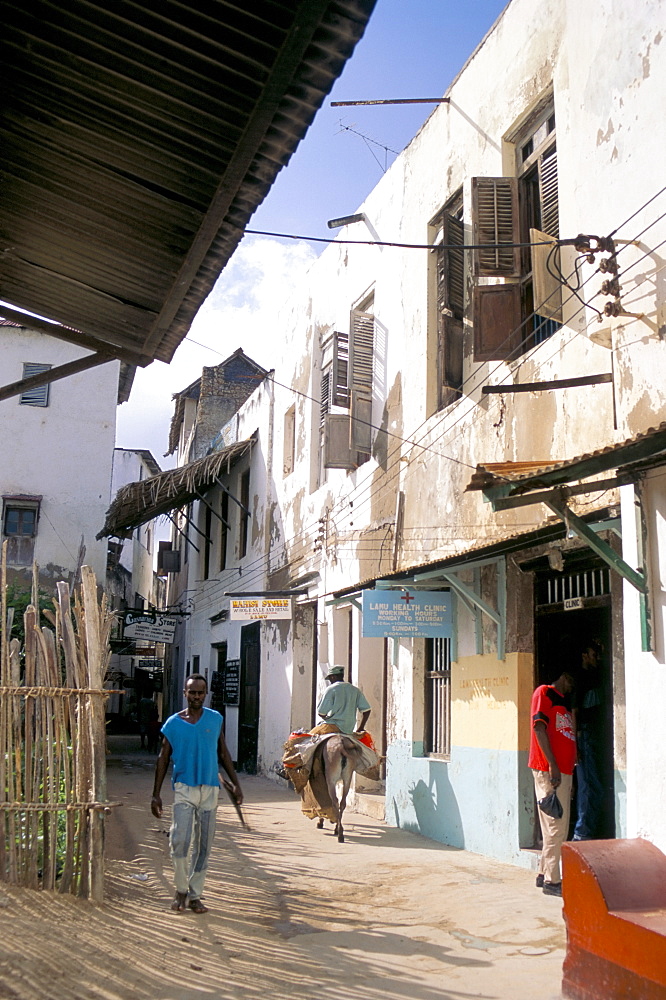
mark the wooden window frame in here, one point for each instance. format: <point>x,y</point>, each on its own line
<point>347,383</point>
<point>224,530</point>
<point>244,535</point>
<point>524,200</point>
<point>448,267</point>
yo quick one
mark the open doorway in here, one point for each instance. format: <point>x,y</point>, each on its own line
<point>248,714</point>
<point>565,637</point>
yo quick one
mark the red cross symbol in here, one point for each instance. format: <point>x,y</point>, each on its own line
<point>407,598</point>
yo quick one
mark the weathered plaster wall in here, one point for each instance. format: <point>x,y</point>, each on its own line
<point>482,798</point>
<point>138,552</point>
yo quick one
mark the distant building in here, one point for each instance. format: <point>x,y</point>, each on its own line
<point>136,667</point>
<point>57,456</point>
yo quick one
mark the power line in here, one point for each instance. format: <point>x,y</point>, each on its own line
<point>306,532</point>
<point>403,246</point>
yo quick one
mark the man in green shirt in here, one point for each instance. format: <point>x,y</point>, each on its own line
<point>341,702</point>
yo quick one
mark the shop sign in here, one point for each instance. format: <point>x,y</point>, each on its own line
<point>249,609</point>
<point>149,626</point>
<point>409,614</point>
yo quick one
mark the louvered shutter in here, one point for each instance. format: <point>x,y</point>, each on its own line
<point>337,451</point>
<point>325,395</point>
<point>547,286</point>
<point>450,267</point>
<point>361,361</point>
<point>550,210</point>
<point>495,222</point>
<point>40,395</point>
<point>340,370</point>
<point>497,322</point>
<point>454,237</point>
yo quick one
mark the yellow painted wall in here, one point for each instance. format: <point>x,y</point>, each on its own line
<point>491,701</point>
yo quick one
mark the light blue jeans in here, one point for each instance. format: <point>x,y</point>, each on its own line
<point>191,836</point>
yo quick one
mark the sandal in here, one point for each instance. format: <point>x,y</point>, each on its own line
<point>197,906</point>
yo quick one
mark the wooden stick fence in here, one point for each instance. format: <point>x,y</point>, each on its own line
<point>53,742</point>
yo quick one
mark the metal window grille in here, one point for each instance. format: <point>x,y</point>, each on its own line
<point>438,697</point>
<point>564,586</point>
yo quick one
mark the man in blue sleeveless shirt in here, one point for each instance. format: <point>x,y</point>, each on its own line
<point>193,740</point>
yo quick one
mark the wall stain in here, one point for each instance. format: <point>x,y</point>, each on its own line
<point>605,136</point>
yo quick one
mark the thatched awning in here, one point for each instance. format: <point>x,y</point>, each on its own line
<point>137,503</point>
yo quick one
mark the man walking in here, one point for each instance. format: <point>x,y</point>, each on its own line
<point>193,740</point>
<point>341,702</point>
<point>552,758</point>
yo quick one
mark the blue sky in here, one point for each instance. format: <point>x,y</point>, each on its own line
<point>411,48</point>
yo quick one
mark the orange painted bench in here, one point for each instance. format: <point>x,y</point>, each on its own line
<point>614,894</point>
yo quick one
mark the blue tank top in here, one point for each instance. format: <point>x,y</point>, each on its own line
<point>194,748</point>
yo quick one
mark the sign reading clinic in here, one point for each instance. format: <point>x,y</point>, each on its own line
<point>412,614</point>
<point>249,609</point>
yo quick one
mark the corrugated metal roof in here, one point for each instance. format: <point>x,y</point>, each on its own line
<point>646,445</point>
<point>138,138</point>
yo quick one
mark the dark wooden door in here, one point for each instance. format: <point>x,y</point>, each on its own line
<point>248,721</point>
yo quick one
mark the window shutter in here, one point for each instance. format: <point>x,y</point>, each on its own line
<point>337,451</point>
<point>361,350</point>
<point>361,360</point>
<point>495,221</point>
<point>550,210</point>
<point>40,395</point>
<point>361,424</point>
<point>497,322</point>
<point>340,370</point>
<point>451,267</point>
<point>325,395</point>
<point>547,286</point>
<point>450,360</point>
<point>454,264</point>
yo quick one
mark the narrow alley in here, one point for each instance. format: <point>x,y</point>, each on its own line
<point>388,914</point>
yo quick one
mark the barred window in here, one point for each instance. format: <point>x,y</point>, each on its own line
<point>438,697</point>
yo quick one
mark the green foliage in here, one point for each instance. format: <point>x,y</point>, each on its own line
<point>19,597</point>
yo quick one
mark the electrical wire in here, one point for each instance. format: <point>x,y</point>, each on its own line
<point>305,539</point>
<point>401,246</point>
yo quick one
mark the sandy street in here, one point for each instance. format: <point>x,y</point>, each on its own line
<point>293,914</point>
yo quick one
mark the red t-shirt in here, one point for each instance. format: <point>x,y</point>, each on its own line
<point>549,706</point>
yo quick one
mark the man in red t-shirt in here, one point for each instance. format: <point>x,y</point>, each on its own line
<point>552,759</point>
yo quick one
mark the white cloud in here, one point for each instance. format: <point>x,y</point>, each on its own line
<point>239,312</point>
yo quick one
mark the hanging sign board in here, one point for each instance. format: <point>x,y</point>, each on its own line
<point>151,626</point>
<point>411,614</point>
<point>250,609</point>
<point>232,682</point>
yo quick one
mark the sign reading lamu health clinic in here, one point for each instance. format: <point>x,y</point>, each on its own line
<point>249,609</point>
<point>413,614</point>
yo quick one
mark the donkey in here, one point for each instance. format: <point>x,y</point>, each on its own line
<point>340,757</point>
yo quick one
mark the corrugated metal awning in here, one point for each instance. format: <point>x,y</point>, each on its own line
<point>524,476</point>
<point>137,140</point>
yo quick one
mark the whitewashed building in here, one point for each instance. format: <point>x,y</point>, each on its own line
<point>57,456</point>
